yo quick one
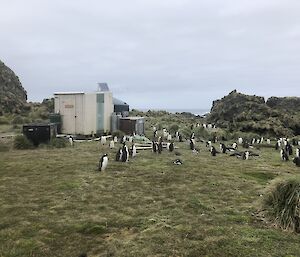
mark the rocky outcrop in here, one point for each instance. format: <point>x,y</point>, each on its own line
<point>13,96</point>
<point>288,104</point>
<point>248,113</point>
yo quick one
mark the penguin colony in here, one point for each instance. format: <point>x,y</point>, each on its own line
<point>163,140</point>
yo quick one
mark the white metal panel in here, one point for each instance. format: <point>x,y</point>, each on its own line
<point>90,114</point>
<point>108,110</point>
<point>67,112</point>
<point>79,114</point>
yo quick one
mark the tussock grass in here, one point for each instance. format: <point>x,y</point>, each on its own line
<point>282,203</point>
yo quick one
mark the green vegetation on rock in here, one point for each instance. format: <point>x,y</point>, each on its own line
<point>246,113</point>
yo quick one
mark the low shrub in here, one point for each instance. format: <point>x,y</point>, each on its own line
<point>17,120</point>
<point>21,142</point>
<point>3,121</point>
<point>58,143</point>
<point>281,203</point>
<point>118,133</point>
<point>173,128</point>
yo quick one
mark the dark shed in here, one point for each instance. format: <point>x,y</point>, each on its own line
<point>120,106</point>
<point>40,133</point>
<point>132,125</point>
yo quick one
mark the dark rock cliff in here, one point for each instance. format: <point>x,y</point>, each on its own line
<point>13,96</point>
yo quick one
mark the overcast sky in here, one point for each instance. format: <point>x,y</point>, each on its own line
<point>154,53</point>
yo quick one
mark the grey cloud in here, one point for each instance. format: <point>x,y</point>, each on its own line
<point>154,53</point>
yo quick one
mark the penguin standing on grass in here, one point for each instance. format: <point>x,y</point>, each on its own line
<point>103,140</point>
<point>171,147</point>
<point>160,147</point>
<point>119,155</point>
<point>115,139</point>
<point>298,152</point>
<point>223,148</point>
<point>192,144</point>
<point>71,141</point>
<point>103,162</point>
<point>284,155</point>
<point>245,155</point>
<point>213,151</point>
<point>125,153</point>
<point>297,161</point>
<point>133,150</point>
<point>111,144</point>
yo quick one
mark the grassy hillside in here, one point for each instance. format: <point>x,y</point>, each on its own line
<point>55,203</point>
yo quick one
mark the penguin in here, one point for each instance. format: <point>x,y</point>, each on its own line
<point>125,153</point>
<point>262,140</point>
<point>268,141</point>
<point>155,134</point>
<point>234,146</point>
<point>111,144</point>
<point>103,162</point>
<point>192,144</point>
<point>208,144</point>
<point>165,133</point>
<point>253,141</point>
<point>283,154</point>
<point>160,147</point>
<point>192,136</point>
<point>178,162</point>
<point>130,139</point>
<point>171,147</point>
<point>245,155</point>
<point>154,128</point>
<point>213,151</point>
<point>154,147</point>
<point>289,148</point>
<point>103,140</point>
<point>168,146</point>
<point>123,141</point>
<point>115,139</point>
<point>133,150</point>
<point>240,140</point>
<point>297,161</point>
<point>169,137</point>
<point>180,138</point>
<point>119,155</point>
<point>223,148</point>
<point>71,141</point>
<point>298,152</point>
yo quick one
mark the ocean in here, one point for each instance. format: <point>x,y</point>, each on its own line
<point>193,111</point>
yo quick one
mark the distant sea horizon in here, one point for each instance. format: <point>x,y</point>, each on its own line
<point>193,111</point>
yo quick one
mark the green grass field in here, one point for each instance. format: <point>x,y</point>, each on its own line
<point>55,203</point>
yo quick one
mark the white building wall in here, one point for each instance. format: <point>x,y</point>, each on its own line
<point>90,114</point>
<point>79,112</point>
<point>108,110</point>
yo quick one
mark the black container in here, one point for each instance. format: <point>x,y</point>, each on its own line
<point>40,133</point>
